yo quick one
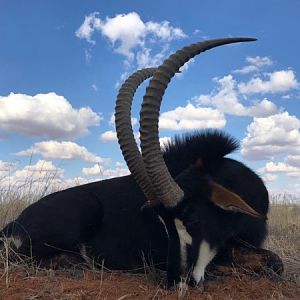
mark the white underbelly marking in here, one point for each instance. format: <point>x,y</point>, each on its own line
<point>205,256</point>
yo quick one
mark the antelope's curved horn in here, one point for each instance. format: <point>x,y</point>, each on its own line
<point>166,189</point>
<point>125,135</point>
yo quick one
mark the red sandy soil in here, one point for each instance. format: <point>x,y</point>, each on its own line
<point>58,284</point>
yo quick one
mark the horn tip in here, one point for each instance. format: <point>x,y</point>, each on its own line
<point>249,39</point>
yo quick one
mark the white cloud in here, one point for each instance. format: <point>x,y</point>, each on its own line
<point>117,172</point>
<point>184,68</point>
<point>109,136</point>
<point>246,70</point>
<point>103,173</point>
<point>134,121</point>
<point>126,29</point>
<point>136,136</point>
<point>123,77</point>
<point>96,170</point>
<point>144,58</point>
<point>191,117</point>
<point>164,31</point>
<point>271,168</point>
<point>129,34</point>
<point>94,87</point>
<point>262,108</point>
<point>280,167</point>
<point>269,177</point>
<point>226,99</point>
<point>70,182</point>
<point>259,61</point>
<point>279,81</point>
<point>119,164</point>
<point>293,160</point>
<point>88,55</point>
<point>48,115</point>
<point>164,141</point>
<point>87,28</point>
<point>61,150</point>
<point>143,44</point>
<point>271,135</point>
<point>6,168</point>
<point>255,64</point>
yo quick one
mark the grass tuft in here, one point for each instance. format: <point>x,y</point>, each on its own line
<point>284,237</point>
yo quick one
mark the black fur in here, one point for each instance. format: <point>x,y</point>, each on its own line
<point>105,216</point>
<point>210,146</point>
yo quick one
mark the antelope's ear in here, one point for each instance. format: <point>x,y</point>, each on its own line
<point>230,201</point>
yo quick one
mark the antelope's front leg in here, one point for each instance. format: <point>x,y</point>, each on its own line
<point>174,259</point>
<point>178,266</point>
<point>205,255</point>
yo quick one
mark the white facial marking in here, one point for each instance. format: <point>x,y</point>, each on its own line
<point>182,232</point>
<point>184,239</point>
<point>205,255</point>
<point>163,222</point>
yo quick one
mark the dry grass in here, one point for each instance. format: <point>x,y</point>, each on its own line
<point>284,237</point>
<point>11,207</point>
<point>16,196</point>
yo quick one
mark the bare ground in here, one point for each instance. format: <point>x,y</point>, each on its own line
<point>19,284</point>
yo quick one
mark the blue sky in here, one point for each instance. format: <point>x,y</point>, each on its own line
<point>62,62</point>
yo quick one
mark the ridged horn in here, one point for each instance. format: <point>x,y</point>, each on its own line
<point>166,189</point>
<point>125,135</point>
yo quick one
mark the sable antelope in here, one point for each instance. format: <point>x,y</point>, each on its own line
<point>195,202</point>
